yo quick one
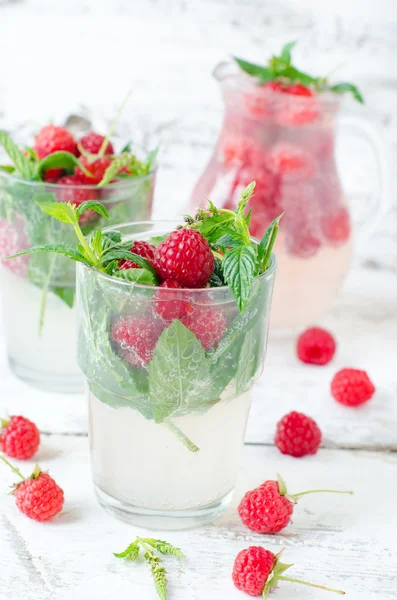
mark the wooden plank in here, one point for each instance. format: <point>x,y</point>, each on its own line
<point>344,541</point>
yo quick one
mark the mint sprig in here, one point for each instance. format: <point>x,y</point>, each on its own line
<point>150,546</point>
<point>280,68</point>
<point>241,258</point>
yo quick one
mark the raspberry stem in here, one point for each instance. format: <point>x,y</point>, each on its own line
<point>181,436</point>
<point>314,585</point>
<point>297,496</point>
<point>17,471</point>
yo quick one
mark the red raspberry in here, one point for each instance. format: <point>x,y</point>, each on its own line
<point>186,257</point>
<point>252,568</point>
<point>136,338</point>
<point>208,325</point>
<point>13,239</point>
<point>143,249</point>
<point>297,89</point>
<point>336,227</point>
<point>92,143</point>
<point>352,387</point>
<point>19,438</point>
<point>97,169</point>
<point>39,497</point>
<point>170,306</point>
<point>316,346</point>
<point>297,435</point>
<point>52,175</point>
<point>76,195</point>
<point>264,509</point>
<point>292,162</point>
<point>54,139</point>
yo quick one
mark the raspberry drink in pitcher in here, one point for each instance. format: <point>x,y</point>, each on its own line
<point>279,130</point>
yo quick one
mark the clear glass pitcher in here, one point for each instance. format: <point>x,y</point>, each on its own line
<point>286,143</point>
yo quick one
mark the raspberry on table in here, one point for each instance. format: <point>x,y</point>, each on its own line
<point>264,509</point>
<point>136,338</point>
<point>39,497</point>
<point>252,568</point>
<point>141,248</point>
<point>92,143</point>
<point>97,168</point>
<point>297,435</point>
<point>352,387</point>
<point>171,306</point>
<point>19,437</point>
<point>76,195</point>
<point>186,257</point>
<point>52,138</point>
<point>316,346</point>
<point>208,324</point>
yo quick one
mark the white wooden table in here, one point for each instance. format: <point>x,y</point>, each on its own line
<point>347,542</point>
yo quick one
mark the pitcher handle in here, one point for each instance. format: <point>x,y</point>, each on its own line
<point>381,198</point>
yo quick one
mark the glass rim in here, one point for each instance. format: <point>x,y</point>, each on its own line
<point>227,70</point>
<point>122,183</point>
<point>266,275</point>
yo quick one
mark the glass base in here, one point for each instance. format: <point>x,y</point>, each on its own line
<point>64,384</point>
<point>163,519</point>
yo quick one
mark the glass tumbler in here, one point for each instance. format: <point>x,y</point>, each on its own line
<point>169,374</point>
<point>38,290</point>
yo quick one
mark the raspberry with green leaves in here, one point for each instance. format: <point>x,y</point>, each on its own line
<point>96,169</point>
<point>269,507</point>
<point>185,257</point>
<point>19,437</point>
<point>72,189</point>
<point>135,338</point>
<point>257,571</point>
<point>52,138</point>
<point>37,496</point>
<point>171,305</point>
<point>151,549</point>
<point>141,248</point>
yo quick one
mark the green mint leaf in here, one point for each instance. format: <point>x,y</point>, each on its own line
<point>285,55</point>
<point>249,365</point>
<point>96,241</point>
<point>7,168</point>
<point>127,148</point>
<point>123,160</point>
<point>341,88</point>
<point>228,241</point>
<point>214,227</point>
<point>266,237</point>
<point>177,372</point>
<point>264,73</point>
<point>151,159</point>
<point>92,205</point>
<point>294,74</point>
<point>216,279</point>
<point>24,167</point>
<point>245,197</point>
<point>113,236</point>
<point>66,213</point>
<point>66,294</point>
<point>130,553</point>
<point>164,547</point>
<point>239,267</point>
<point>141,276</point>
<point>61,160</point>
<point>70,251</point>
<point>159,574</point>
<point>135,258</point>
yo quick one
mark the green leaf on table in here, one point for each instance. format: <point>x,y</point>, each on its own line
<point>164,547</point>
<point>24,167</point>
<point>66,213</point>
<point>341,88</point>
<point>178,373</point>
<point>159,574</point>
<point>67,294</point>
<point>61,160</point>
<point>239,268</point>
<point>130,553</point>
<point>142,276</point>
<point>94,205</point>
<point>70,251</point>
